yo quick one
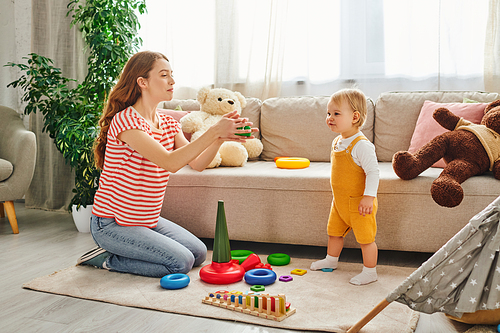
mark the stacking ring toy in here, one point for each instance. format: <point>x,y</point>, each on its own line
<point>257,287</point>
<point>278,259</point>
<point>174,281</point>
<point>286,278</point>
<point>260,276</point>
<point>244,134</point>
<point>292,163</point>
<point>240,255</point>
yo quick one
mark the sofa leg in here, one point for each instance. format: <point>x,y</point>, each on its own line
<point>2,212</point>
<point>11,215</point>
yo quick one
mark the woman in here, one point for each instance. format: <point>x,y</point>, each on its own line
<point>137,149</point>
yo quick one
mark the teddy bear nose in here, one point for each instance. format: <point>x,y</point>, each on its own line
<point>230,102</point>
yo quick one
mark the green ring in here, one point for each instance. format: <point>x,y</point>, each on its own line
<point>278,259</point>
<point>240,255</point>
<point>244,134</point>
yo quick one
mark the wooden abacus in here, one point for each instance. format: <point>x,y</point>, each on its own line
<point>266,306</point>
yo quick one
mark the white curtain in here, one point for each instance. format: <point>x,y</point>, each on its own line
<point>15,38</point>
<point>53,180</point>
<point>492,48</point>
<point>291,47</point>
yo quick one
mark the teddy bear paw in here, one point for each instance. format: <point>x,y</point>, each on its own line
<point>254,147</point>
<point>405,165</point>
<point>233,154</point>
<point>447,192</point>
<point>215,162</point>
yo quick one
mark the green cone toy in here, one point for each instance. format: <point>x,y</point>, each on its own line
<point>222,249</point>
<point>222,270</point>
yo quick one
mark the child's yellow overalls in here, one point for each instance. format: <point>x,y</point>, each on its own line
<point>348,186</point>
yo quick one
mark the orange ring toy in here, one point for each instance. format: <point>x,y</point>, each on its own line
<point>292,162</point>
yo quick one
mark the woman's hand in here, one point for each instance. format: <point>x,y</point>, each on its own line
<point>227,127</point>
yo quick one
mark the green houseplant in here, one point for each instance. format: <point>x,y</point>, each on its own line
<point>71,115</point>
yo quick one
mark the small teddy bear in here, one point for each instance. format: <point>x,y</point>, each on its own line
<point>214,103</point>
<point>468,149</point>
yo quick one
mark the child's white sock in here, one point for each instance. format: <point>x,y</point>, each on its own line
<point>368,275</point>
<point>328,262</point>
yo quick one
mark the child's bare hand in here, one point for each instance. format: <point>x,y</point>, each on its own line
<point>366,205</point>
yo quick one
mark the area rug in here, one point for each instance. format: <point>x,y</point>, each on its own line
<point>324,301</point>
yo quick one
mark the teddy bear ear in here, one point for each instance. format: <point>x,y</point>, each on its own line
<point>202,95</point>
<point>491,106</point>
<point>241,98</point>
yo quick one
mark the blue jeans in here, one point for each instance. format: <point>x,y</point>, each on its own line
<point>155,252</point>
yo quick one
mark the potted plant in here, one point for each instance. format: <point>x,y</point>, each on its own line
<point>71,115</point>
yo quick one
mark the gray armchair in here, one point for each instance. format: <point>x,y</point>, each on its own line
<point>17,162</point>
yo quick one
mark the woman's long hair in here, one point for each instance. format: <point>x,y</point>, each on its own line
<point>125,93</point>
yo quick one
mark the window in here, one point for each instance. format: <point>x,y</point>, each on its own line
<point>276,47</point>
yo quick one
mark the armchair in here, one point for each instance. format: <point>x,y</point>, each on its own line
<point>17,162</point>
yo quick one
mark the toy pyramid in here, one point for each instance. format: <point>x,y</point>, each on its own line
<point>222,270</point>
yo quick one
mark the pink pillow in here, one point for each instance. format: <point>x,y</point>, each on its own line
<point>427,128</point>
<point>177,115</point>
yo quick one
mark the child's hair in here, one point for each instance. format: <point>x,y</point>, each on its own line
<point>356,100</point>
<point>125,93</point>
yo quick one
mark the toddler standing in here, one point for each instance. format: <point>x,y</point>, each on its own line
<point>354,181</point>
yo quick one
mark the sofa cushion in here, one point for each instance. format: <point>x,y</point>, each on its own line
<point>396,115</point>
<point>295,127</point>
<point>265,175</point>
<point>6,169</point>
<point>250,111</point>
<point>427,128</point>
<point>390,183</point>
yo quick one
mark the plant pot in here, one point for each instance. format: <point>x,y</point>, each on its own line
<point>82,217</point>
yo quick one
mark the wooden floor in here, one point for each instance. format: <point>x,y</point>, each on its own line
<point>49,241</point>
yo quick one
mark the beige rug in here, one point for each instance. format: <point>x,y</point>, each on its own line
<point>324,301</point>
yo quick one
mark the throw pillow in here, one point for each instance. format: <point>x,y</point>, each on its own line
<point>177,115</point>
<point>468,100</point>
<point>427,128</point>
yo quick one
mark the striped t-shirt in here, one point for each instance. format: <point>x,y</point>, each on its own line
<point>131,188</point>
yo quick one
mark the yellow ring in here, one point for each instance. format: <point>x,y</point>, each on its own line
<point>292,163</point>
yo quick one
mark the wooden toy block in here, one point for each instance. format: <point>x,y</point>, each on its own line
<point>260,305</point>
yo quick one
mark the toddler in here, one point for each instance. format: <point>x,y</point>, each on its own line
<point>354,181</point>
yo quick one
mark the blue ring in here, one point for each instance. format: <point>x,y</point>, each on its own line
<point>174,281</point>
<point>260,276</point>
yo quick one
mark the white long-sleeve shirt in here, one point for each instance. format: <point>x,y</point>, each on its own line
<point>363,154</point>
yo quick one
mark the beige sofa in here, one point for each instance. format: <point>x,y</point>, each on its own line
<point>266,204</point>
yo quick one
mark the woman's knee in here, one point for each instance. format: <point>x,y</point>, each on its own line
<point>195,256</point>
<point>184,265</point>
<point>200,254</point>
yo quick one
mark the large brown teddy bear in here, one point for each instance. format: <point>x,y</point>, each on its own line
<point>468,149</point>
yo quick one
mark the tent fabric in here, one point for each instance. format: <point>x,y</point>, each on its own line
<point>461,277</point>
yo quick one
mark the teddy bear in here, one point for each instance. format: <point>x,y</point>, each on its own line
<point>215,103</point>
<point>468,149</point>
